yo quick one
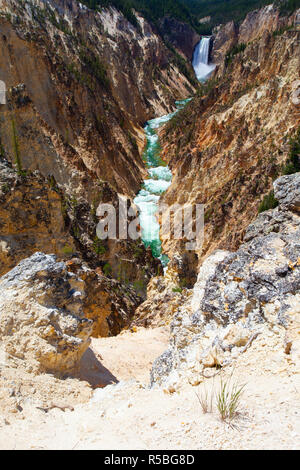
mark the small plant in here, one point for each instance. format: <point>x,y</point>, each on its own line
<point>67,250</point>
<point>139,285</point>
<point>107,270</point>
<point>206,401</point>
<point>228,399</point>
<point>177,290</point>
<point>5,188</point>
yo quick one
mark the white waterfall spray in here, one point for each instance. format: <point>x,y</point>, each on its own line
<point>201,59</point>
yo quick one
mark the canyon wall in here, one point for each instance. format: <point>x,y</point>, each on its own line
<point>181,35</point>
<point>248,299</point>
<point>81,84</point>
<point>227,146</point>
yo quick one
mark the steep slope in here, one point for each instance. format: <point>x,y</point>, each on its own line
<point>80,85</point>
<point>239,297</point>
<point>99,79</point>
<point>226,147</point>
<point>33,218</point>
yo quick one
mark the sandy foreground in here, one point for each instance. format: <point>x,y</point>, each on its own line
<point>45,413</point>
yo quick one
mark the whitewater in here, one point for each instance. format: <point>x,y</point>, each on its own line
<point>160,176</point>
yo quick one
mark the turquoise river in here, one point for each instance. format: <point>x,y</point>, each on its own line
<point>159,180</point>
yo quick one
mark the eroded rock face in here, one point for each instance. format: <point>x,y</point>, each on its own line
<point>36,216</point>
<point>181,35</point>
<point>42,324</point>
<point>225,36</point>
<point>164,297</point>
<point>100,78</point>
<point>258,22</point>
<point>31,218</point>
<point>227,147</point>
<point>240,296</point>
<point>107,302</point>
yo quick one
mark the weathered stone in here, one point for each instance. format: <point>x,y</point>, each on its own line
<point>287,191</point>
<point>225,37</point>
<point>41,318</point>
<point>108,302</point>
<point>239,296</point>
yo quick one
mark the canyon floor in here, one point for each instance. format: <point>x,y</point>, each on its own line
<point>128,415</point>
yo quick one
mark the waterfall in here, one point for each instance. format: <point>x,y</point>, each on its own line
<point>201,59</point>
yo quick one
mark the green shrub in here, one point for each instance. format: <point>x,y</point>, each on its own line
<point>67,250</point>
<point>107,269</point>
<point>228,400</point>
<point>94,67</point>
<point>269,202</point>
<point>177,290</point>
<point>98,247</point>
<point>287,7</point>
<point>293,163</point>
<point>16,148</point>
<point>281,31</point>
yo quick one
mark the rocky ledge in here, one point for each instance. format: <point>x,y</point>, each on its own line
<point>238,297</point>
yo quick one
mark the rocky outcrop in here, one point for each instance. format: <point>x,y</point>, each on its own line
<point>231,141</point>
<point>224,38</point>
<point>258,22</point>
<point>238,297</point>
<point>78,122</point>
<point>42,324</point>
<point>164,297</point>
<point>109,303</point>
<point>287,192</point>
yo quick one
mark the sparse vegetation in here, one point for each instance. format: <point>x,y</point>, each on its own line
<point>228,399</point>
<point>16,148</point>
<point>67,250</point>
<point>288,6</point>
<point>139,285</point>
<point>107,269</point>
<point>233,52</point>
<point>180,63</point>
<point>93,68</point>
<point>206,400</point>
<point>98,247</point>
<point>291,166</point>
<point>269,202</point>
<point>177,290</point>
<point>293,163</point>
<point>281,31</point>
